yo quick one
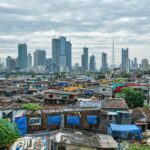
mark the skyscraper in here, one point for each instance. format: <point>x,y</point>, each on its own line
<point>85,59</point>
<point>144,65</point>
<point>56,54</point>
<point>39,58</point>
<point>22,56</point>
<point>92,64</point>
<point>125,60</point>
<point>10,63</point>
<point>29,62</point>
<point>69,55</point>
<point>134,64</point>
<point>104,67</point>
<point>61,54</point>
<point>49,65</point>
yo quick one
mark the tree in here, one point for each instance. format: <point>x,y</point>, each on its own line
<point>8,133</point>
<point>138,147</point>
<point>133,98</point>
<point>31,106</point>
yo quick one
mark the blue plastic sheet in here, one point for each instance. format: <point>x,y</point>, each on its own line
<point>54,120</point>
<point>124,128</point>
<point>62,83</point>
<point>89,92</point>
<point>92,120</point>
<point>73,120</point>
<point>122,131</point>
<point>21,123</point>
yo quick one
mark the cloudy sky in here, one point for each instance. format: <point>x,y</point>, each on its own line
<point>91,23</point>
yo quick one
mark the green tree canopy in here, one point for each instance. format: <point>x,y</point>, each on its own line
<point>138,147</point>
<point>133,98</point>
<point>8,133</point>
<point>31,106</point>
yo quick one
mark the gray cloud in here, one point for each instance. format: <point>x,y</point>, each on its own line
<point>92,23</point>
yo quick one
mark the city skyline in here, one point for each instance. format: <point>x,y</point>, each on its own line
<point>36,23</point>
<point>63,47</point>
<point>61,60</point>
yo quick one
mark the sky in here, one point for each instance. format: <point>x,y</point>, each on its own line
<point>90,23</point>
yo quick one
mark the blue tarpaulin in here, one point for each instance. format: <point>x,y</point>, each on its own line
<point>21,123</point>
<point>73,120</point>
<point>89,92</point>
<point>92,119</point>
<point>124,131</point>
<point>62,83</point>
<point>56,120</point>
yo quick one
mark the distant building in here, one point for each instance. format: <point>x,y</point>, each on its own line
<point>104,67</point>
<point>144,65</point>
<point>29,62</point>
<point>49,65</point>
<point>10,63</point>
<point>39,58</point>
<point>61,54</point>
<point>134,64</point>
<point>22,57</point>
<point>69,55</point>
<point>92,64</point>
<point>125,60</point>
<point>77,65</point>
<point>56,53</point>
<point>84,59</point>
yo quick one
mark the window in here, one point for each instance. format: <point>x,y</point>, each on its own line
<point>104,89</point>
<point>35,121</point>
<point>126,116</point>
<point>50,96</point>
<point>110,117</point>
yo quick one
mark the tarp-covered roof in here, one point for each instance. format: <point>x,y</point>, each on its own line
<point>124,128</point>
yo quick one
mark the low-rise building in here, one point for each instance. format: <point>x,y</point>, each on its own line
<point>66,140</point>
<point>52,96</point>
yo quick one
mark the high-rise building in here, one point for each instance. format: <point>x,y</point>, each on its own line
<point>134,64</point>
<point>125,60</point>
<point>92,65</point>
<point>69,55</point>
<point>61,54</point>
<point>29,62</point>
<point>49,65</point>
<point>56,54</point>
<point>10,63</point>
<point>22,56</point>
<point>39,58</point>
<point>82,62</point>
<point>85,59</point>
<point>144,65</point>
<point>104,66</point>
